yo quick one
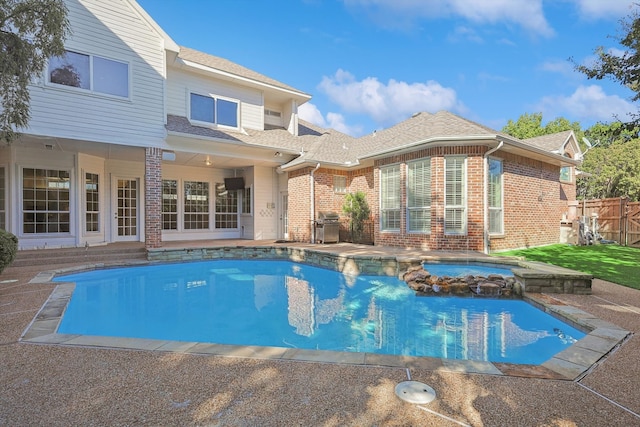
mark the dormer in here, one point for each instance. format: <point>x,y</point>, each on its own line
<point>216,93</point>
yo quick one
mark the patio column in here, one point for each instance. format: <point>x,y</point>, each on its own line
<point>153,197</point>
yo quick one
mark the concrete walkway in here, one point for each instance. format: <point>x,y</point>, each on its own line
<point>56,385</point>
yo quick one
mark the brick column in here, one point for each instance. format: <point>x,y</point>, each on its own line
<point>153,197</point>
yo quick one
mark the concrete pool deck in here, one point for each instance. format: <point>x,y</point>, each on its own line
<point>195,384</point>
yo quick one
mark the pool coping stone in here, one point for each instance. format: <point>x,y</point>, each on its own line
<point>570,364</point>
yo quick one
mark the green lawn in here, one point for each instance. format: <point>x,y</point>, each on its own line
<point>613,263</point>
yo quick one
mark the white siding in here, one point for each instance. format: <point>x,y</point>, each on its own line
<point>181,83</point>
<point>111,29</point>
<point>266,195</point>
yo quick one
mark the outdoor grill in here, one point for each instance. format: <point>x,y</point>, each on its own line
<point>327,227</point>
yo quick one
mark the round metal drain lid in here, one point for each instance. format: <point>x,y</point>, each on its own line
<point>415,392</point>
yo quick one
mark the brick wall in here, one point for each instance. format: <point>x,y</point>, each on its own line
<point>153,197</point>
<point>299,205</point>
<point>534,201</point>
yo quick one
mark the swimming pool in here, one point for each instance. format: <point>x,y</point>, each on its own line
<point>284,304</point>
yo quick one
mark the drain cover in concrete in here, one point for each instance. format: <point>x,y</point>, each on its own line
<point>415,392</point>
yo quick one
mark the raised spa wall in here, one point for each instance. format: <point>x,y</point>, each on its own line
<point>529,276</point>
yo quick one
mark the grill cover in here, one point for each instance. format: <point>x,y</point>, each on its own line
<point>324,217</point>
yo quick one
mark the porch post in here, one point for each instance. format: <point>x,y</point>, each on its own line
<point>153,197</point>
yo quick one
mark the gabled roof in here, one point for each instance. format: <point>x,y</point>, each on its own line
<point>335,149</point>
<point>554,142</point>
<point>221,65</point>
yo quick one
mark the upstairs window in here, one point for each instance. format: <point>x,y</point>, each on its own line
<point>90,72</point>
<point>212,110</point>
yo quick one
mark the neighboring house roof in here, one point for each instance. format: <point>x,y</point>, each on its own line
<point>226,66</point>
<point>554,142</point>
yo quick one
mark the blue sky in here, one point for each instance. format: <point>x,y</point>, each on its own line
<point>370,64</point>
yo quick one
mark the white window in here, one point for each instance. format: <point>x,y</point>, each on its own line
<point>90,72</point>
<point>212,110</point>
<point>226,207</point>
<point>169,204</point>
<point>45,201</point>
<point>196,205</point>
<point>339,184</point>
<point>390,198</point>
<point>455,210</point>
<point>419,196</point>
<point>246,201</point>
<point>92,202</point>
<point>495,202</point>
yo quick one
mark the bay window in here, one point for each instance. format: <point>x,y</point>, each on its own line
<point>455,210</point>
<point>390,198</point>
<point>419,196</point>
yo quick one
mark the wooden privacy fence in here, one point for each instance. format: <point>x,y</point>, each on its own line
<point>618,219</point>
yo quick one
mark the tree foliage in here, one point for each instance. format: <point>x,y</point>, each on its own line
<point>622,67</point>
<point>614,171</point>
<point>31,31</point>
<point>356,206</point>
<point>530,126</point>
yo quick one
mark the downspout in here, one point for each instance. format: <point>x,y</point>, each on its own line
<point>312,191</point>
<point>485,189</point>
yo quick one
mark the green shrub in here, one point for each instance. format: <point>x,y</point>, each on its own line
<point>8,249</point>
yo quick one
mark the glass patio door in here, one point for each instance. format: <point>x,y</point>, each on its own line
<point>127,195</point>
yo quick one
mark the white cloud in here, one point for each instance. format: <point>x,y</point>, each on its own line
<point>526,13</point>
<point>588,103</point>
<point>387,103</point>
<point>462,33</point>
<point>562,67</point>
<point>312,113</point>
<point>599,9</point>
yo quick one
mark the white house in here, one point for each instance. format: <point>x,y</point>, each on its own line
<point>134,138</point>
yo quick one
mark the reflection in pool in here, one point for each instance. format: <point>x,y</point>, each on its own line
<point>284,304</point>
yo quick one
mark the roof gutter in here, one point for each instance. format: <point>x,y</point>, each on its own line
<point>485,188</point>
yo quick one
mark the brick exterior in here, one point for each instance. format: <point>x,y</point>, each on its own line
<point>300,225</point>
<point>153,197</point>
<point>534,200</point>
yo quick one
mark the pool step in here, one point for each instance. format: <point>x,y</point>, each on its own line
<point>90,255</point>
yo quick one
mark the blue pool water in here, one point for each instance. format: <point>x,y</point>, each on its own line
<point>284,304</point>
<point>465,269</point>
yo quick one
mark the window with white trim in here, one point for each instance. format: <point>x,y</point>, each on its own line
<point>419,196</point>
<point>495,194</point>
<point>196,205</point>
<point>218,111</point>
<point>246,201</point>
<point>455,209</point>
<point>92,202</point>
<point>90,72</point>
<point>339,184</point>
<point>45,201</point>
<point>169,204</point>
<point>390,198</point>
<point>226,207</point>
